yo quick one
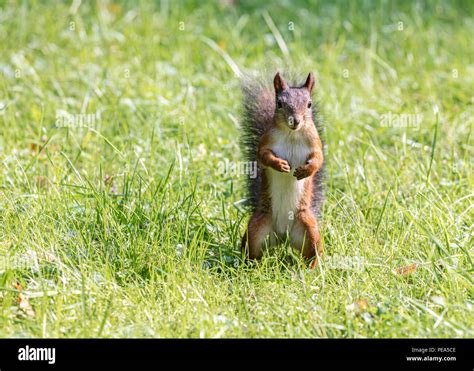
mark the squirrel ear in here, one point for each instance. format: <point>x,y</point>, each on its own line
<point>279,83</point>
<point>310,81</point>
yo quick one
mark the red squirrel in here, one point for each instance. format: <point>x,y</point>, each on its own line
<point>280,133</point>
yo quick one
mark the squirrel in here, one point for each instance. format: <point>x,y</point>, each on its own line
<point>280,131</point>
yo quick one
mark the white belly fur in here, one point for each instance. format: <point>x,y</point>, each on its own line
<point>285,190</point>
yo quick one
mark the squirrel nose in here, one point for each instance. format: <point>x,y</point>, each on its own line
<point>294,121</point>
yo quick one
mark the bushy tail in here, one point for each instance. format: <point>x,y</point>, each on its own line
<point>319,178</point>
<point>258,109</point>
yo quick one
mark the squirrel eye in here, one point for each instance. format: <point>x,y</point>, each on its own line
<point>309,104</point>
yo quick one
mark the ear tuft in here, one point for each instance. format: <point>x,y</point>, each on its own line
<point>310,82</point>
<point>279,83</point>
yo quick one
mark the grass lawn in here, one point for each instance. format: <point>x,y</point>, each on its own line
<point>116,219</point>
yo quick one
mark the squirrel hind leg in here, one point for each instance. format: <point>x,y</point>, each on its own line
<point>305,237</point>
<point>258,232</point>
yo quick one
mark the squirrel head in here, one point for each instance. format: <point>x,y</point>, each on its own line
<point>293,104</point>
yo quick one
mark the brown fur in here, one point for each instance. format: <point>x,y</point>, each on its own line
<point>304,234</point>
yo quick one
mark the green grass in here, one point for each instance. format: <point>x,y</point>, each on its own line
<point>153,250</point>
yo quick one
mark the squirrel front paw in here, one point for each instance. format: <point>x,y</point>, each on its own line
<point>302,172</point>
<point>282,166</point>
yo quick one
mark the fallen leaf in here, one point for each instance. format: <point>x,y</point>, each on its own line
<point>23,302</point>
<point>41,181</point>
<point>33,147</point>
<point>409,269</point>
<point>359,306</point>
<point>363,304</point>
